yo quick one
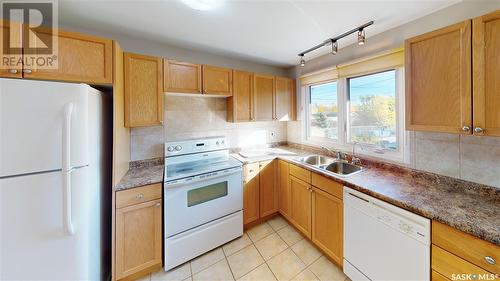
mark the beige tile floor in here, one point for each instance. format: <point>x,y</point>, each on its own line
<point>270,251</point>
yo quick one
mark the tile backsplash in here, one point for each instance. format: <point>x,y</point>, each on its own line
<point>188,117</point>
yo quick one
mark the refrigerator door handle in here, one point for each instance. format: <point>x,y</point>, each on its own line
<point>66,168</point>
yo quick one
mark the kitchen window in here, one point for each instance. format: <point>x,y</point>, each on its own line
<point>323,112</point>
<point>361,111</point>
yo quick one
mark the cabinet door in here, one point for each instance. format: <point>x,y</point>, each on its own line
<point>251,194</point>
<point>80,58</point>
<point>438,80</point>
<point>143,90</point>
<point>284,188</point>
<point>263,86</point>
<point>217,80</point>
<point>327,224</point>
<point>240,104</point>
<point>138,237</point>
<point>301,205</point>
<point>486,59</point>
<point>181,77</point>
<point>269,196</point>
<point>11,36</point>
<point>284,98</point>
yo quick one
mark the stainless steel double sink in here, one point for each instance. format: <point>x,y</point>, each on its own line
<point>335,166</point>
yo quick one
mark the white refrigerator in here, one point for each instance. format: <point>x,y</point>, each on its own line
<point>53,173</point>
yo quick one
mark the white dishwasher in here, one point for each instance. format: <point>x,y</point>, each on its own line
<point>382,241</point>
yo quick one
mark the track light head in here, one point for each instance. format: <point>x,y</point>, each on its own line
<point>302,61</point>
<point>335,47</point>
<point>361,37</point>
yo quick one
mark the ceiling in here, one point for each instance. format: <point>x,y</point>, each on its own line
<point>266,31</point>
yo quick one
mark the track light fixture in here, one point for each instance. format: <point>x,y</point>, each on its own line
<point>335,47</point>
<point>302,60</point>
<point>361,37</point>
<point>334,41</point>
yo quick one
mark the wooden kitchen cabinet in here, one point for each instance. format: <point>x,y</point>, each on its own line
<point>300,217</point>
<point>16,71</point>
<point>284,100</point>
<point>438,80</point>
<point>328,224</point>
<point>269,196</point>
<point>486,65</point>
<point>81,58</point>
<point>182,77</point>
<point>251,193</point>
<point>143,90</point>
<point>462,250</point>
<point>217,80</point>
<point>240,104</point>
<point>264,87</point>
<point>138,235</point>
<point>284,188</point>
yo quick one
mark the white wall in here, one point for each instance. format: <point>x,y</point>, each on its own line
<point>466,157</point>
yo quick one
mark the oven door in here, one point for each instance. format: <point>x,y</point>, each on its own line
<point>194,201</point>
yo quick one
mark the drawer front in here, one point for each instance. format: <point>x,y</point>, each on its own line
<point>138,195</point>
<point>250,171</point>
<point>449,265</point>
<point>466,246</point>
<point>436,276</point>
<point>327,185</point>
<point>300,173</point>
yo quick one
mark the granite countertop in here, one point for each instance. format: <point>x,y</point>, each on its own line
<point>141,175</point>
<point>469,207</point>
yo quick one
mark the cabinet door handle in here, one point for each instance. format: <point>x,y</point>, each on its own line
<point>478,130</point>
<point>139,196</point>
<point>157,205</point>
<point>27,71</point>
<point>13,71</point>
<point>466,129</point>
<point>490,260</point>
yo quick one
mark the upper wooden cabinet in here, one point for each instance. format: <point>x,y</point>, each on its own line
<point>240,104</point>
<point>263,86</point>
<point>284,100</point>
<point>217,80</point>
<point>16,71</point>
<point>452,80</point>
<point>438,83</point>
<point>486,66</point>
<point>181,77</point>
<point>80,58</point>
<point>143,90</point>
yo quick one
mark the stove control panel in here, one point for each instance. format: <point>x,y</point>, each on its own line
<point>195,146</point>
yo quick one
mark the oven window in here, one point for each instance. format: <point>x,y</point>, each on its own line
<point>206,193</point>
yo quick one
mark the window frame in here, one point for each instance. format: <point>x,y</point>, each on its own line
<point>400,155</point>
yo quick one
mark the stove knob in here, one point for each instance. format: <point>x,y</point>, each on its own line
<point>217,143</point>
<point>170,148</point>
<point>222,142</point>
<point>178,148</point>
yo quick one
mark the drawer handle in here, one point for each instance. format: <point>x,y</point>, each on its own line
<point>157,205</point>
<point>139,196</point>
<point>490,260</point>
<point>13,71</point>
<point>27,71</point>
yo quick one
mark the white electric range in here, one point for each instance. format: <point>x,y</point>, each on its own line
<point>203,193</point>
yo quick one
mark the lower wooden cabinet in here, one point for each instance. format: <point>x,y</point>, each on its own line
<point>260,190</point>
<point>328,224</point>
<point>284,188</point>
<point>251,193</point>
<point>269,200</point>
<point>138,231</point>
<point>300,198</point>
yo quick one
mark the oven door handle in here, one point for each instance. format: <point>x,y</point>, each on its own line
<point>208,176</point>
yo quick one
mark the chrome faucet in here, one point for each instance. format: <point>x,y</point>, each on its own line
<point>338,154</point>
<point>355,160</point>
<point>329,150</point>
